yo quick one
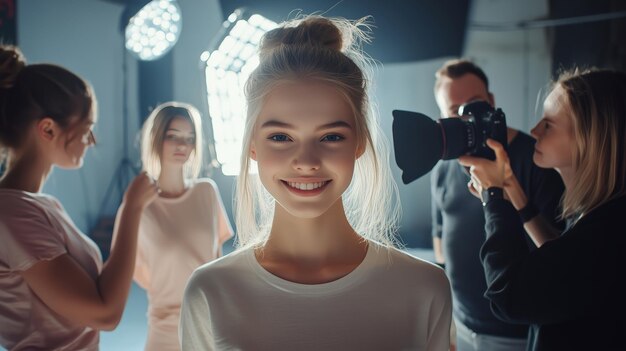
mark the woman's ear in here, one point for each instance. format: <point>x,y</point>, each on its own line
<point>252,151</point>
<point>360,150</point>
<point>47,129</point>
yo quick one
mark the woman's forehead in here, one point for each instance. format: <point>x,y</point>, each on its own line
<point>557,99</point>
<point>180,124</point>
<point>306,98</point>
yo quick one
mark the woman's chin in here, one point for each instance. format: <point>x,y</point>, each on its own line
<point>537,159</point>
<point>71,164</point>
<point>175,162</point>
<point>540,161</point>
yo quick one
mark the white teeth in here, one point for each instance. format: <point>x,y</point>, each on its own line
<point>306,186</point>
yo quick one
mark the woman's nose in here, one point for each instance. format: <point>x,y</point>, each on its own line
<point>535,132</point>
<point>181,143</point>
<point>307,159</point>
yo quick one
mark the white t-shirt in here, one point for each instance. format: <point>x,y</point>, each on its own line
<point>35,227</point>
<point>176,236</point>
<point>391,301</point>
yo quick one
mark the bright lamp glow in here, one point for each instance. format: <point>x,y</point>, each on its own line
<point>227,69</point>
<point>154,30</point>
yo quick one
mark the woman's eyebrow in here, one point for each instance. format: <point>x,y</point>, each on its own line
<point>279,124</point>
<point>338,124</point>
<point>177,130</point>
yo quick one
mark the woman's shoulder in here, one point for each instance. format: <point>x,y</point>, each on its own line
<point>221,276</point>
<point>17,203</point>
<point>617,204</point>
<point>413,269</point>
<point>206,182</point>
<point>609,214</point>
<point>226,267</point>
<point>204,185</point>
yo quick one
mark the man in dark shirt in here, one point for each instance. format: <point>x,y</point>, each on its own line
<point>458,219</point>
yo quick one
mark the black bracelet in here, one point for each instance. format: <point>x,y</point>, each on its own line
<point>528,212</point>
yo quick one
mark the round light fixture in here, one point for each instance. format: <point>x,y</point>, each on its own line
<point>154,29</point>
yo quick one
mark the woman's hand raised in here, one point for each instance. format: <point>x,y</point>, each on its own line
<point>141,192</point>
<point>486,173</point>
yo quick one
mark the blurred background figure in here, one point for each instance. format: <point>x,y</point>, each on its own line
<point>184,227</point>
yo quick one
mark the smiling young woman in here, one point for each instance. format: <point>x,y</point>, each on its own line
<point>316,226</point>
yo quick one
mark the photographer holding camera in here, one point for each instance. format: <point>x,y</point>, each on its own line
<point>570,290</point>
<point>458,220</point>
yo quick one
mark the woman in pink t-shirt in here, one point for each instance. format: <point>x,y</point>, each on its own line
<point>55,292</point>
<point>184,227</point>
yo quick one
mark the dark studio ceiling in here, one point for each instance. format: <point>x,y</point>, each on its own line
<point>409,30</point>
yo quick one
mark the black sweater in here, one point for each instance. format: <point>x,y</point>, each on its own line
<point>571,290</point>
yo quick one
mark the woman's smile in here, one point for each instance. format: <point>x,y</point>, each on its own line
<point>302,187</point>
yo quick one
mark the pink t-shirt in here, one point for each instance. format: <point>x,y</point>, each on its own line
<point>35,227</point>
<point>176,236</point>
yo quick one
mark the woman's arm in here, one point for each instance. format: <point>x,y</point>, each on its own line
<point>141,272</point>
<point>565,278</point>
<point>538,228</point>
<point>486,173</point>
<point>65,286</point>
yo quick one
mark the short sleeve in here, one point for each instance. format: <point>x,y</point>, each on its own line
<point>27,235</point>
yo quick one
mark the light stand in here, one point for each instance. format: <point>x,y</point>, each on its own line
<point>124,173</point>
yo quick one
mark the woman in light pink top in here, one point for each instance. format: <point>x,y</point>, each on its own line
<point>55,292</point>
<point>184,227</point>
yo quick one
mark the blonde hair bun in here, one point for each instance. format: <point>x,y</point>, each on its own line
<point>336,34</point>
<point>313,31</point>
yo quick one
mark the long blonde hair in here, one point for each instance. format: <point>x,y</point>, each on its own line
<point>326,49</point>
<point>597,101</point>
<point>153,135</point>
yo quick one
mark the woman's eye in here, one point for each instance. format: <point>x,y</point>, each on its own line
<point>170,137</point>
<point>191,141</point>
<point>279,138</point>
<point>332,137</point>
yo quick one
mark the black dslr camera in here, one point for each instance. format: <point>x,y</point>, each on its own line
<point>419,142</point>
